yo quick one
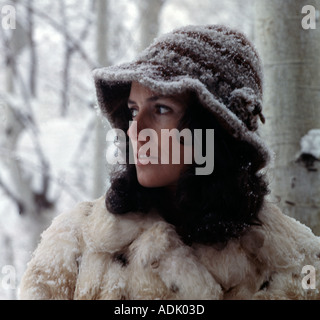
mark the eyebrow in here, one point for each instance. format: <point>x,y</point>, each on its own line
<point>151,99</point>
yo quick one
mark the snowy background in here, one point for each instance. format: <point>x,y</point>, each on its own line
<point>52,138</point>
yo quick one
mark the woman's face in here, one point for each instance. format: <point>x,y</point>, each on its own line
<point>157,112</point>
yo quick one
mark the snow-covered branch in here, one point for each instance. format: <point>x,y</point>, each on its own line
<point>75,43</point>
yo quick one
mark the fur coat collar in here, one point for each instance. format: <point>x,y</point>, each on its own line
<point>89,253</point>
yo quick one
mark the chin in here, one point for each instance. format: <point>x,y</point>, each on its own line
<point>147,183</point>
<point>158,176</point>
<point>153,182</point>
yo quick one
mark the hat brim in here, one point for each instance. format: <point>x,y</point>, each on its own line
<point>113,86</point>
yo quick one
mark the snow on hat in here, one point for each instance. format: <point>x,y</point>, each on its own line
<point>217,63</point>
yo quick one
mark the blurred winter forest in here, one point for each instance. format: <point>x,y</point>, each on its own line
<point>52,137</point>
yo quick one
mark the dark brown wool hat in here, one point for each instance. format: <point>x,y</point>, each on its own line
<point>220,64</point>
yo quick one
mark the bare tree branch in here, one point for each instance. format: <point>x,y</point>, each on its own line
<point>70,49</point>
<point>76,43</point>
<point>12,196</point>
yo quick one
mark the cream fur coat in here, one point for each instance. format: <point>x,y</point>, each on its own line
<point>89,253</point>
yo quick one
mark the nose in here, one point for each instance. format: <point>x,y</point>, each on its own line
<point>132,131</point>
<point>139,123</point>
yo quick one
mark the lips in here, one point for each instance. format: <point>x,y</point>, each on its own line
<point>144,159</point>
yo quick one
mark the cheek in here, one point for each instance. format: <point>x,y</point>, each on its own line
<point>173,159</point>
<point>175,152</point>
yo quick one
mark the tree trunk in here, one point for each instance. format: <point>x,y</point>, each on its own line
<point>149,21</point>
<point>33,52</point>
<point>66,63</point>
<point>33,206</point>
<point>100,165</point>
<point>290,56</point>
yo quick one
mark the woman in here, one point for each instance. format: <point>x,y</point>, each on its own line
<point>165,229</point>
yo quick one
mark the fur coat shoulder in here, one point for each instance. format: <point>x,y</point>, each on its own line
<point>89,253</point>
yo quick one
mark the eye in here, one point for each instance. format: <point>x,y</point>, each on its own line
<point>161,109</point>
<point>133,112</point>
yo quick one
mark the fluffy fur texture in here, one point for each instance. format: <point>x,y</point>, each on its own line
<point>91,254</point>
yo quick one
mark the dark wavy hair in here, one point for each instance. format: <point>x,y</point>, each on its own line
<point>208,209</point>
